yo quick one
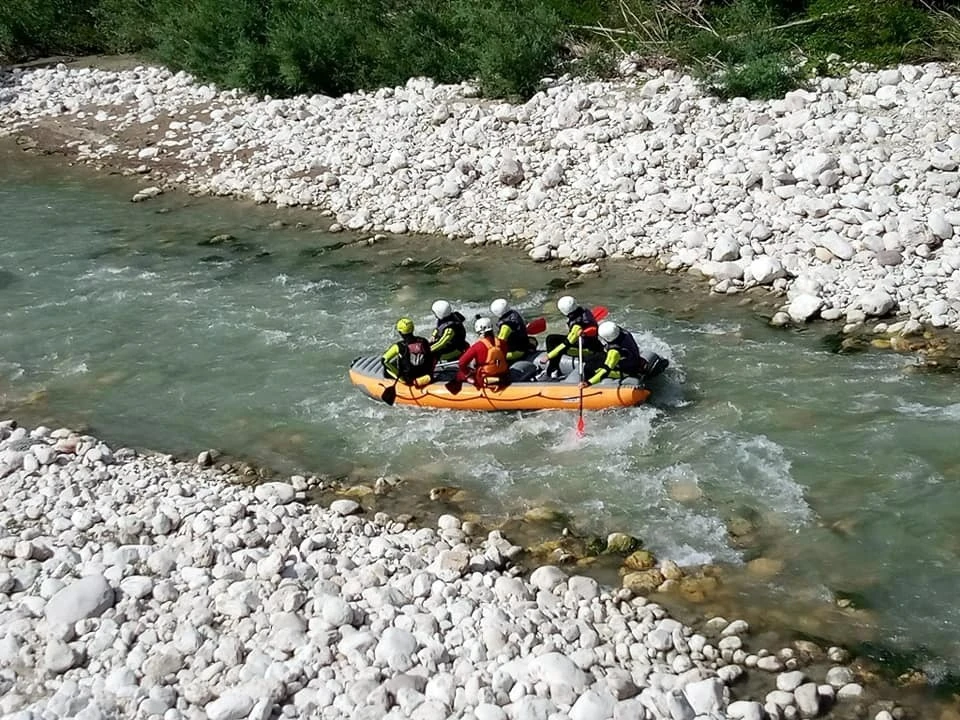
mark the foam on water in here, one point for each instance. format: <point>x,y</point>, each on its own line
<point>920,410</point>
<point>760,471</point>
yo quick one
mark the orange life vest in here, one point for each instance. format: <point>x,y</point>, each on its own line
<point>495,366</point>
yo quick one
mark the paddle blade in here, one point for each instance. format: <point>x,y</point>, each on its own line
<point>454,386</point>
<point>581,430</point>
<point>389,395</point>
<point>600,313</point>
<point>537,325</point>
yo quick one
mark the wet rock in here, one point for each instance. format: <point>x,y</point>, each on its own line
<point>807,698</point>
<point>640,560</point>
<point>446,493</point>
<point>546,515</point>
<point>275,493</point>
<point>790,681</point>
<point>622,544</point>
<point>839,676</point>
<point>850,691</point>
<point>765,567</point>
<point>146,194</point>
<point>345,507</point>
<point>207,458</point>
<point>643,583</point>
<point>670,570</point>
<point>358,491</point>
<point>697,589</point>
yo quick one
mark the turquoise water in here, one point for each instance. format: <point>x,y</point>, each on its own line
<point>122,316</point>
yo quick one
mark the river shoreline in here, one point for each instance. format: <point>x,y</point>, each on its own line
<point>584,173</point>
<point>52,144</point>
<point>123,547</point>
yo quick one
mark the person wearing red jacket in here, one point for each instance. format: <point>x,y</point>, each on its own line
<point>486,359</point>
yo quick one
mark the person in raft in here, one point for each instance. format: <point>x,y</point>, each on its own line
<point>580,321</point>
<point>621,359</point>
<point>410,360</point>
<point>512,329</point>
<point>449,339</point>
<point>486,359</point>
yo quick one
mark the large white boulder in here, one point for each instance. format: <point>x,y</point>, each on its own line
<point>87,597</point>
<point>804,307</point>
<point>764,269</point>
<point>876,303</point>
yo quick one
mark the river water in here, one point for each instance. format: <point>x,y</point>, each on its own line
<point>844,468</point>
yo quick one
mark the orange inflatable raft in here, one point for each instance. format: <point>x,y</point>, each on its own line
<point>523,393</point>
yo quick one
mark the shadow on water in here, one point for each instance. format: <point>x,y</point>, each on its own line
<point>7,278</point>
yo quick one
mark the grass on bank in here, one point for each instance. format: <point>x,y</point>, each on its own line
<point>746,48</point>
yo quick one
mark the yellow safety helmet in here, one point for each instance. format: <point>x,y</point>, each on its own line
<point>405,326</point>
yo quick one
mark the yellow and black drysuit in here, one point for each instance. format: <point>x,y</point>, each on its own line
<point>578,321</point>
<point>512,329</point>
<point>411,360</point>
<point>449,339</point>
<point>622,359</point>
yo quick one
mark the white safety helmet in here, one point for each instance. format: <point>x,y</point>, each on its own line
<point>608,331</point>
<point>441,308</point>
<point>566,304</point>
<point>499,306</point>
<point>483,326</point>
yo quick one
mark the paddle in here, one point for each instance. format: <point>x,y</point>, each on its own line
<point>537,325</point>
<point>454,386</point>
<point>599,313</point>
<point>580,429</point>
<point>389,395</point>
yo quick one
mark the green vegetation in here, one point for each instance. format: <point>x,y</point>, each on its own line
<point>739,47</point>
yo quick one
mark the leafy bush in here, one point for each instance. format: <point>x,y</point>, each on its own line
<point>508,45</point>
<point>126,25</point>
<point>745,53</point>
<point>879,32</point>
<point>45,27</point>
<point>223,42</point>
<point>740,47</point>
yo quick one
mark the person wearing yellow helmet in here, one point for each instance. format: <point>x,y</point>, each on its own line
<point>409,360</point>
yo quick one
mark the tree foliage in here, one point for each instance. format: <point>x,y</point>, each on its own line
<point>281,47</point>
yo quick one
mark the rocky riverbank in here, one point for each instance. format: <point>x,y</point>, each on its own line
<point>132,585</point>
<point>843,197</point>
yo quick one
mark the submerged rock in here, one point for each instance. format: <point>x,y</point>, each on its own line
<point>622,544</point>
<point>640,560</point>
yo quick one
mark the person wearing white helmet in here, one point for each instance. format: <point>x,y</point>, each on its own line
<point>449,339</point>
<point>485,360</point>
<point>621,358</point>
<point>512,329</point>
<point>580,321</point>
